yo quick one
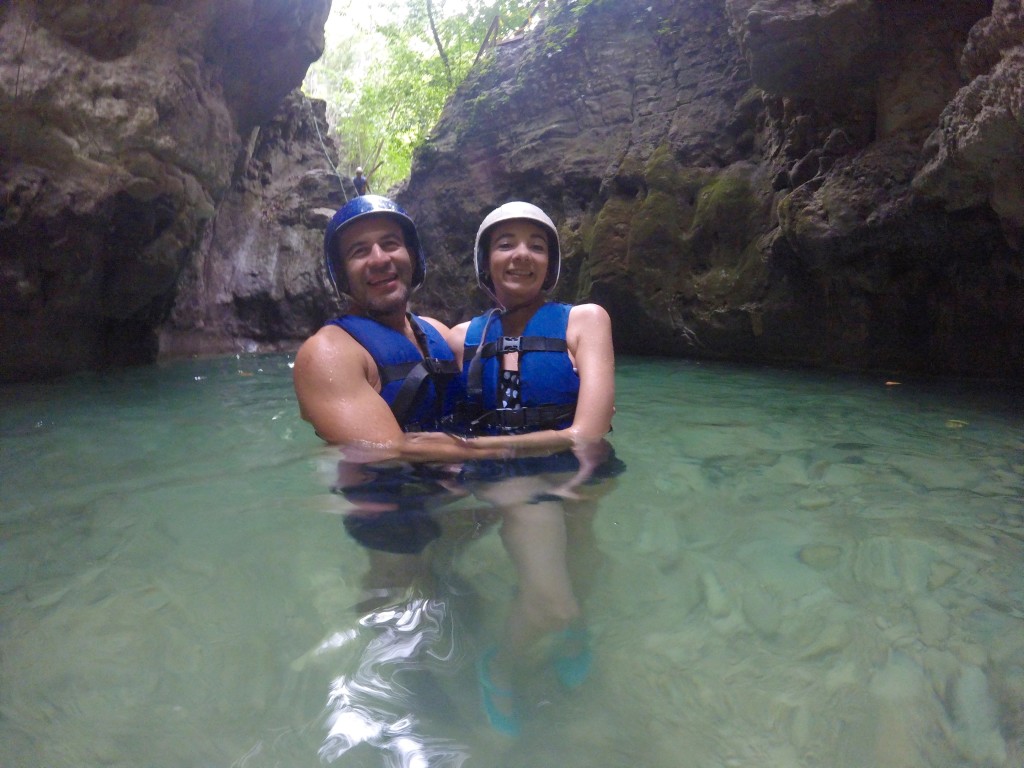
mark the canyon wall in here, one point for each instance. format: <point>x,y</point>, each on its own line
<point>835,183</point>
<point>121,127</point>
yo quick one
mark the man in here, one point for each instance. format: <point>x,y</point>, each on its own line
<point>362,184</point>
<point>364,380</point>
<point>376,373</point>
<point>368,377</point>
<point>373,256</point>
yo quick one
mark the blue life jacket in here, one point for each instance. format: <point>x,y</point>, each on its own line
<point>421,391</point>
<point>549,386</point>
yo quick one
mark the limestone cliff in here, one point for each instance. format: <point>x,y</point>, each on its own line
<point>255,281</point>
<point>824,182</point>
<point>829,182</point>
<point>120,129</point>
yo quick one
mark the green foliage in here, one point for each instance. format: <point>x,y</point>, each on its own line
<point>577,7</point>
<point>387,79</point>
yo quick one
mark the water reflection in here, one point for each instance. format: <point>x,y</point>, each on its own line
<point>407,612</point>
<point>420,625</point>
<point>386,700</point>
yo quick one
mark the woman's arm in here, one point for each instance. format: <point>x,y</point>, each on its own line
<point>456,339</point>
<point>590,344</point>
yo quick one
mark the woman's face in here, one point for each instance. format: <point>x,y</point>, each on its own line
<point>518,260</point>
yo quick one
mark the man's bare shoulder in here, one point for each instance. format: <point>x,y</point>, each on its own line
<point>328,339</point>
<point>457,335</point>
<point>456,339</point>
<point>330,350</point>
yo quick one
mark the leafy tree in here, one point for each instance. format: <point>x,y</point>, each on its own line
<point>386,80</point>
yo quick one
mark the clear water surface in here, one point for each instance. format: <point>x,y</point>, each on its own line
<point>796,570</point>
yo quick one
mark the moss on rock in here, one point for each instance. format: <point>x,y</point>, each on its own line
<point>726,205</point>
<point>607,241</point>
<point>663,173</point>
<point>655,234</point>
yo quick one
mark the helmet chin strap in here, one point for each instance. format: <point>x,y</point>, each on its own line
<point>490,292</point>
<point>517,307</point>
<point>505,309</point>
<point>474,377</point>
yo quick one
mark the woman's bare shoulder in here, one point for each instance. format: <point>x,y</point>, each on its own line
<point>441,327</point>
<point>589,314</point>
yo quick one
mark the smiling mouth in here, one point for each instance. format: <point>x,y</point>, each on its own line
<point>381,281</point>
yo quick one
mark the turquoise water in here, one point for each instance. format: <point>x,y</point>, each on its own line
<point>796,569</point>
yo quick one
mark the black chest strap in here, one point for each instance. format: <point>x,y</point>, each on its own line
<point>416,374</point>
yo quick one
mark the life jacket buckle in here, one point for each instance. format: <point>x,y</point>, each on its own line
<point>509,344</point>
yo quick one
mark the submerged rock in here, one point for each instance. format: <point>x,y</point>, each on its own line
<point>975,719</point>
<point>821,557</point>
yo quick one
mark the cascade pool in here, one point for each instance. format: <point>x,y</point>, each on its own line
<point>795,570</point>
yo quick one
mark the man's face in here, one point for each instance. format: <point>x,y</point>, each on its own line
<point>377,265</point>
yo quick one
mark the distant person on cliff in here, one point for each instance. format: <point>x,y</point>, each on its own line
<point>362,184</point>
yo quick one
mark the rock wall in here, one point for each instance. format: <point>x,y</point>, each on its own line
<point>255,281</point>
<point>120,129</point>
<point>825,182</point>
<point>834,183</point>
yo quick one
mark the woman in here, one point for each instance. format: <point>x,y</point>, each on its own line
<point>564,355</point>
<point>541,380</point>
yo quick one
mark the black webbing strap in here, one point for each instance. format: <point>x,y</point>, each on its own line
<point>507,344</point>
<point>416,375</point>
<point>389,373</point>
<point>508,419</point>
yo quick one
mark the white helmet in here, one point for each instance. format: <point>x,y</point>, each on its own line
<point>509,212</point>
<point>359,169</point>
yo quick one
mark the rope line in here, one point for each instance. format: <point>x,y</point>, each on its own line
<point>316,124</point>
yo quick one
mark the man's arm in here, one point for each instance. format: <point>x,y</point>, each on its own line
<point>332,383</point>
<point>332,377</point>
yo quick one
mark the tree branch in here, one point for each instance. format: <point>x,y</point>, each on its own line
<point>437,42</point>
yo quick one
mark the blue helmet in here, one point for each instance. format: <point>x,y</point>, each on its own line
<point>368,205</point>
